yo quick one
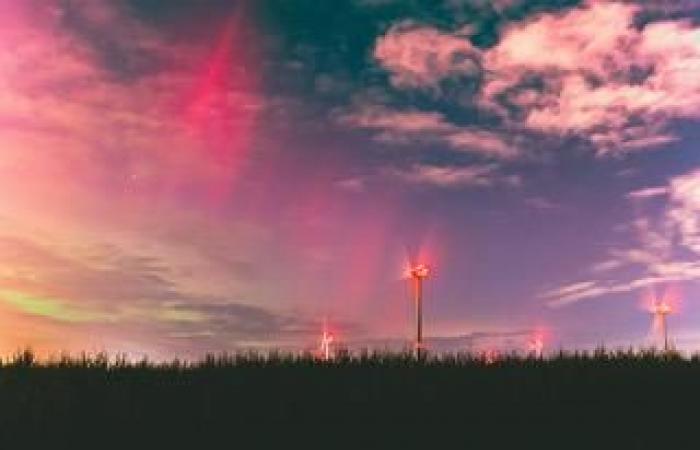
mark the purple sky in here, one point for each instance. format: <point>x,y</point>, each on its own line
<point>191,176</point>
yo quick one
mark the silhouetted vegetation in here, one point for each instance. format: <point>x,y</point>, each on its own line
<point>622,400</point>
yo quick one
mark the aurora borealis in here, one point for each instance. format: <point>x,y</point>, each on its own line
<point>189,176</point>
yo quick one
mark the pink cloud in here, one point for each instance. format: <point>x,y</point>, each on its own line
<point>94,157</point>
<point>66,117</point>
<point>422,56</point>
<point>651,192</point>
<point>381,118</point>
<point>572,41</point>
<point>589,59</point>
<point>603,76</point>
<point>454,176</point>
<point>483,142</point>
<point>398,126</point>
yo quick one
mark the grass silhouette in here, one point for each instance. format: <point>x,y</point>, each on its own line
<point>603,399</point>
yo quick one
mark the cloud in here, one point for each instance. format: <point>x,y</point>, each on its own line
<point>127,107</point>
<point>126,47</point>
<point>399,122</point>
<point>570,289</point>
<point>592,72</point>
<point>573,40</point>
<point>541,203</point>
<point>412,126</point>
<point>138,295</point>
<point>650,192</point>
<point>454,176</point>
<point>598,74</point>
<point>482,142</point>
<point>597,289</point>
<point>684,213</point>
<point>421,56</point>
<point>51,308</point>
<point>353,184</point>
<point>107,127</point>
<point>667,249</point>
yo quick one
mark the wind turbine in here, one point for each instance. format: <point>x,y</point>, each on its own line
<point>417,274</point>
<point>537,342</point>
<point>536,346</point>
<point>660,310</point>
<point>327,340</point>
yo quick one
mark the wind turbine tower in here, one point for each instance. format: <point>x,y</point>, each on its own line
<point>418,274</point>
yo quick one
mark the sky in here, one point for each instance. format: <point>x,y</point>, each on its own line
<point>188,176</point>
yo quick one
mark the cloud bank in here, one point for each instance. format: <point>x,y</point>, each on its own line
<point>593,72</point>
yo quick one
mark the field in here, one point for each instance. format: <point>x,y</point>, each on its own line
<point>615,400</point>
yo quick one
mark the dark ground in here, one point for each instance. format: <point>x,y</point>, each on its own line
<point>622,401</point>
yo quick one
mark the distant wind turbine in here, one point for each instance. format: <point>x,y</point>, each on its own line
<point>327,340</point>
<point>536,346</point>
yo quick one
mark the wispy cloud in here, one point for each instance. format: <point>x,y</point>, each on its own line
<point>650,192</point>
<point>134,294</point>
<point>483,142</point>
<point>354,184</point>
<point>454,176</point>
<point>684,213</point>
<point>413,126</point>
<point>393,121</point>
<point>541,203</point>
<point>594,289</point>
<point>667,252</point>
<point>73,116</point>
